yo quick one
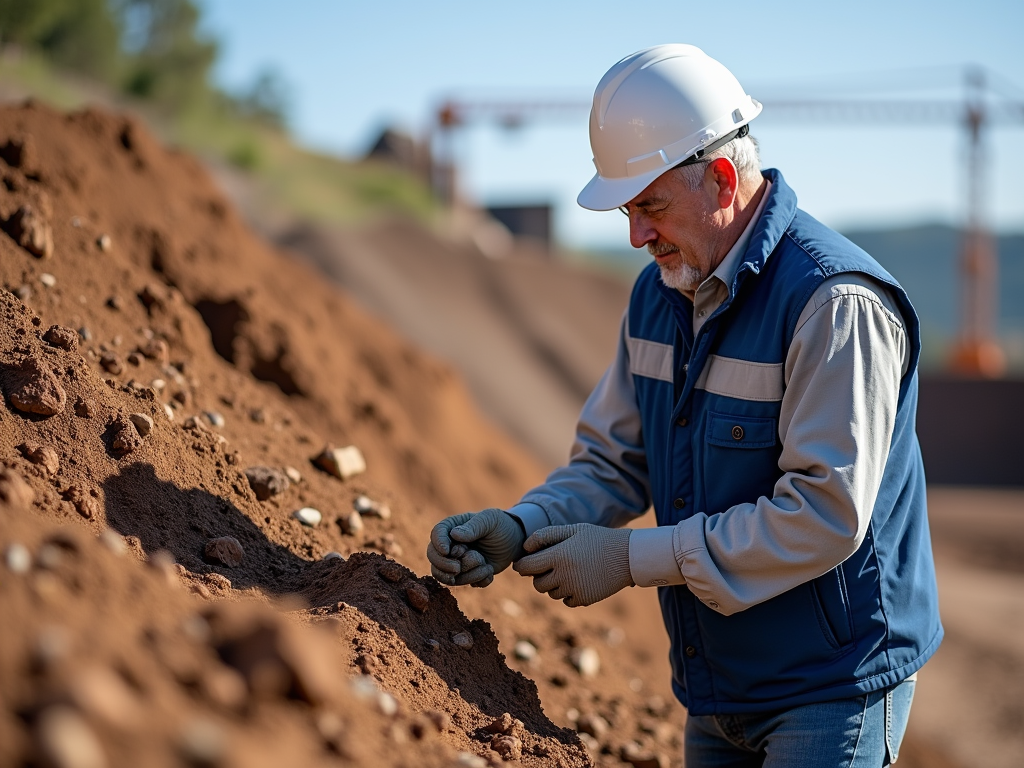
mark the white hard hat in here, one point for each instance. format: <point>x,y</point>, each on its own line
<point>654,110</point>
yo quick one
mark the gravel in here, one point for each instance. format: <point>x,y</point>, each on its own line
<point>143,423</point>
<point>224,550</point>
<point>343,463</point>
<point>266,481</point>
<point>308,516</point>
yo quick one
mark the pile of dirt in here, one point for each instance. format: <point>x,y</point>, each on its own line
<point>195,568</point>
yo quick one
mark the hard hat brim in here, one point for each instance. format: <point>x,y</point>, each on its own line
<point>603,194</point>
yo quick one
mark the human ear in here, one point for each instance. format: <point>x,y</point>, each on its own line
<point>724,180</point>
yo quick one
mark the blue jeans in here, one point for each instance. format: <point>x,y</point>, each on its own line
<point>862,732</point>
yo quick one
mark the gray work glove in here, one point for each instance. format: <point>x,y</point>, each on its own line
<point>470,548</point>
<point>578,564</point>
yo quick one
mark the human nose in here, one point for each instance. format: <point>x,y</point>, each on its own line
<point>640,230</point>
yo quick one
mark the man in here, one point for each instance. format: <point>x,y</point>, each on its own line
<point>763,399</point>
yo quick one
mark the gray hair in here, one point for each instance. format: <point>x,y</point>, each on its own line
<point>744,155</point>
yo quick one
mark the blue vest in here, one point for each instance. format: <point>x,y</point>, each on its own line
<point>867,624</point>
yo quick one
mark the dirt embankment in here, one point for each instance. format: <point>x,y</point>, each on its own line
<point>169,383</point>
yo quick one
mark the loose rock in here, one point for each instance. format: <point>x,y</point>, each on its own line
<point>343,463</point>
<point>509,747</point>
<point>85,408</point>
<point>17,558</point>
<point>31,231</point>
<point>224,550</point>
<point>392,572</point>
<point>334,556</point>
<point>364,505</point>
<point>15,493</point>
<point>47,279</point>
<point>43,455</point>
<point>440,720</point>
<point>352,523</point>
<point>594,724</point>
<point>433,645</point>
<point>308,516</point>
<point>463,640</point>
<point>525,650</point>
<point>216,419</point>
<point>134,358</point>
<point>156,349</point>
<point>293,474</point>
<point>111,363</point>
<point>113,541</point>
<point>85,502</point>
<point>586,660</point>
<point>640,758</point>
<point>59,336</point>
<point>266,481</point>
<point>104,243</point>
<point>33,388</point>
<point>418,596</point>
<point>65,740</point>
<point>126,436</point>
<point>143,423</point>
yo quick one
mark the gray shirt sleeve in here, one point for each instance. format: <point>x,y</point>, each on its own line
<point>842,376</point>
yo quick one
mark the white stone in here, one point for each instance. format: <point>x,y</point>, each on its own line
<point>308,516</point>
<point>345,462</point>
<point>525,650</point>
<point>363,504</point>
<point>142,422</point>
<point>113,541</point>
<point>469,760</point>
<point>352,524</point>
<point>67,741</point>
<point>158,385</point>
<point>215,419</point>
<point>511,608</point>
<point>334,556</point>
<point>587,661</point>
<point>169,412</point>
<point>293,474</point>
<point>47,279</point>
<point>18,558</point>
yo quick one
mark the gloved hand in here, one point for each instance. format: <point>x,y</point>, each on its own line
<point>492,539</point>
<point>578,564</point>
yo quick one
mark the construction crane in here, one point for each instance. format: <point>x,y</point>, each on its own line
<point>976,351</point>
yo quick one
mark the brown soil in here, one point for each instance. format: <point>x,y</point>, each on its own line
<point>200,352</point>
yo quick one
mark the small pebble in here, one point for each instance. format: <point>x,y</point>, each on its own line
<point>61,337</point>
<point>352,523</point>
<point>202,742</point>
<point>343,463</point>
<point>509,747</point>
<point>511,608</point>
<point>85,408</point>
<point>433,645</point>
<point>169,412</point>
<point>266,481</point>
<point>43,455</point>
<point>418,596</point>
<point>392,572</point>
<point>84,333</point>
<point>156,349</point>
<point>15,493</point>
<point>293,474</point>
<point>111,363</point>
<point>126,436</point>
<point>113,541</point>
<point>215,419</point>
<point>308,516</point>
<point>142,422</point>
<point>594,724</point>
<point>115,303</point>
<point>217,581</point>
<point>134,358</point>
<point>463,640</point>
<point>586,660</point>
<point>364,505</point>
<point>224,550</point>
<point>158,385</point>
<point>23,292</point>
<point>17,558</point>
<point>65,740</point>
<point>525,650</point>
<point>104,243</point>
<point>469,760</point>
<point>47,279</point>
<point>334,556</point>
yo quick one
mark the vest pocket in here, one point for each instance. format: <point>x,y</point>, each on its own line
<point>832,604</point>
<point>740,459</point>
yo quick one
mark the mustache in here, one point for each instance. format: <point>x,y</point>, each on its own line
<point>660,249</point>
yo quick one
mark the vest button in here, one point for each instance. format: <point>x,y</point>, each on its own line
<point>690,651</point>
<point>737,432</point>
<point>683,421</point>
<point>679,503</point>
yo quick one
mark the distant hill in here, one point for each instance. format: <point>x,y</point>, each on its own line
<point>924,260</point>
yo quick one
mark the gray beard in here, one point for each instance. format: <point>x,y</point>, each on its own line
<point>682,277</point>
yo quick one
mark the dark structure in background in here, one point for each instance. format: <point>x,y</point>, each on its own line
<point>532,222</point>
<point>972,430</point>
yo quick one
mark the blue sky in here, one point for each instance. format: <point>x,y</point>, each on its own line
<point>353,67</point>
